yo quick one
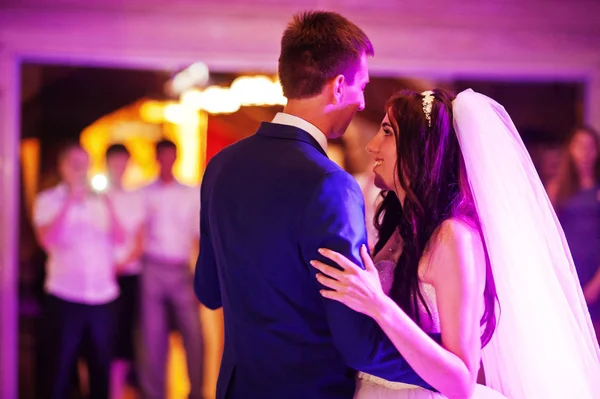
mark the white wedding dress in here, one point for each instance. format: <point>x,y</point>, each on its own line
<point>372,387</point>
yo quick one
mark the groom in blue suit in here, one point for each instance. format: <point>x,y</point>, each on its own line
<point>268,203</point>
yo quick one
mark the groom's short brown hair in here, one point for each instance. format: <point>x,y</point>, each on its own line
<point>318,46</point>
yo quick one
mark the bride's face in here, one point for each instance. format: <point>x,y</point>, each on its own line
<point>383,149</point>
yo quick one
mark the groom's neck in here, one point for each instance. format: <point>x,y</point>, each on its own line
<point>311,111</point>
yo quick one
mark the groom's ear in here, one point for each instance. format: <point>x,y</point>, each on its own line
<point>337,89</point>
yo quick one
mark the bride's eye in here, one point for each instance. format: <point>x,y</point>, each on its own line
<point>387,132</point>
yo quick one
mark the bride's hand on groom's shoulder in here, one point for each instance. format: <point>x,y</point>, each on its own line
<point>356,288</point>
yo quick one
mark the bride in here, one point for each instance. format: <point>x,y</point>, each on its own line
<point>469,247</point>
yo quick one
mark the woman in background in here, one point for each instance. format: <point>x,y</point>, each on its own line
<point>576,197</point>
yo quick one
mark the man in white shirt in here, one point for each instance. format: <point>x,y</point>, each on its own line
<point>77,228</point>
<point>130,211</point>
<point>172,233</point>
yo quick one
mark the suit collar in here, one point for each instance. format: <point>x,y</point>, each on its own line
<point>290,133</point>
<point>292,120</point>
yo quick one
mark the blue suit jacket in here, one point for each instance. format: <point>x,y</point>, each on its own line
<point>268,203</point>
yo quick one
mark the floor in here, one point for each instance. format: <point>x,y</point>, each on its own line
<point>177,381</point>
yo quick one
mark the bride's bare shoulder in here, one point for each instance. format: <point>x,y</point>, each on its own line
<point>456,245</point>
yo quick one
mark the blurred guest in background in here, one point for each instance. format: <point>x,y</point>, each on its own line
<point>130,211</point>
<point>78,229</point>
<point>172,234</point>
<point>576,196</point>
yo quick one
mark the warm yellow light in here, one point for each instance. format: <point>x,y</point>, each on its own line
<point>190,139</point>
<point>180,114</point>
<point>152,111</point>
<point>30,169</point>
<point>192,99</point>
<point>278,97</point>
<point>124,126</point>
<point>257,90</point>
<point>244,91</point>
<point>214,99</point>
<point>219,100</point>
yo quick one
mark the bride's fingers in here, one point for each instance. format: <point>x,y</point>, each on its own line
<point>336,296</point>
<point>330,283</point>
<point>327,270</point>
<point>366,258</point>
<point>348,301</point>
<point>340,259</point>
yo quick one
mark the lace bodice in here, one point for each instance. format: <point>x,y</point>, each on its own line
<point>429,324</point>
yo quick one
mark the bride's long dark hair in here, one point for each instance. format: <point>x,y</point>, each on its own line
<point>430,170</point>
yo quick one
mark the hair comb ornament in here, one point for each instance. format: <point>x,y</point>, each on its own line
<point>427,104</point>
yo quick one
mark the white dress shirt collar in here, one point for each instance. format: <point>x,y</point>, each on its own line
<point>291,120</point>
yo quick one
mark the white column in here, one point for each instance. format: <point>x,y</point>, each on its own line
<point>9,211</point>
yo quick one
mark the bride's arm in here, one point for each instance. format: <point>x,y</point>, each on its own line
<point>457,270</point>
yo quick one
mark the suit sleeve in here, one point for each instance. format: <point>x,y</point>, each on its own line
<point>206,278</point>
<point>334,219</point>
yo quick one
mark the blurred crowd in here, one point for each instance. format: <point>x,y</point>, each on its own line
<point>118,278</point>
